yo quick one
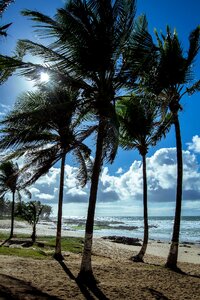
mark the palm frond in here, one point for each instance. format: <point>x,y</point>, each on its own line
<point>82,154</point>
<point>194,45</point>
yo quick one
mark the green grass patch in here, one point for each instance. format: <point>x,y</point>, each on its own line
<point>44,247</point>
<point>96,227</point>
<point>71,244</point>
<point>23,252</point>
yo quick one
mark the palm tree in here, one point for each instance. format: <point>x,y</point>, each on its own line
<point>87,46</point>
<point>10,181</point>
<point>171,78</point>
<point>141,126</point>
<point>30,212</point>
<point>43,127</point>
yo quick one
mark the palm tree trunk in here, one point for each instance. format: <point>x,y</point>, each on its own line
<point>57,254</point>
<point>173,252</point>
<point>86,273</point>
<point>139,257</point>
<point>33,236</point>
<point>12,215</point>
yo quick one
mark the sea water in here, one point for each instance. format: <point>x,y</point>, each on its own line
<point>160,228</point>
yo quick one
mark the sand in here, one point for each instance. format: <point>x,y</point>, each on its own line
<point>118,277</point>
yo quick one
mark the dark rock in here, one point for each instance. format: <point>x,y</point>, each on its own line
<point>124,240</point>
<point>27,244</point>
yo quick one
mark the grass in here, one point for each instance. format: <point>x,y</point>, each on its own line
<point>43,248</point>
<point>96,227</point>
<point>23,252</point>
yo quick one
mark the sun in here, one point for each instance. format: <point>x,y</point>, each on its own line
<point>44,77</point>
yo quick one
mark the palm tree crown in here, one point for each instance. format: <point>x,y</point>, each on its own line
<point>170,78</point>
<point>43,127</point>
<point>11,180</point>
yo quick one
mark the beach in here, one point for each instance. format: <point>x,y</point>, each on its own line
<point>118,277</point>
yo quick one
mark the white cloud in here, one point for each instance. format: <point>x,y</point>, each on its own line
<point>34,190</point>
<point>161,174</point>
<point>119,171</point>
<point>195,145</point>
<point>44,196</point>
<point>121,193</point>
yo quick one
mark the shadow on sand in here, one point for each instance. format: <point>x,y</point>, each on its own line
<point>4,242</point>
<point>12,288</point>
<point>157,295</point>
<point>175,270</point>
<point>88,290</point>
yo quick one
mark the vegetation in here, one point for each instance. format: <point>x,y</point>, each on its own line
<point>31,213</point>
<point>11,181</point>
<point>170,79</point>
<point>141,126</point>
<point>3,6</point>
<point>49,133</point>
<point>5,209</point>
<point>69,244</point>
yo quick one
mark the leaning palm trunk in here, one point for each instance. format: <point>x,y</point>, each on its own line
<point>139,257</point>
<point>173,252</point>
<point>86,273</point>
<point>12,215</point>
<point>57,254</point>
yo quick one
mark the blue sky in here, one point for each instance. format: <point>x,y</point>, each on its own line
<point>121,183</point>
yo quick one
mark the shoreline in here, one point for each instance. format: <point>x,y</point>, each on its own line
<point>188,252</point>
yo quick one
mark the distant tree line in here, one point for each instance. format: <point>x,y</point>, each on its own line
<point>21,207</point>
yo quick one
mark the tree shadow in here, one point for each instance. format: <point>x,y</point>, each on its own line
<point>4,242</point>
<point>88,290</point>
<point>157,295</point>
<point>179,271</point>
<point>12,288</point>
<point>175,270</point>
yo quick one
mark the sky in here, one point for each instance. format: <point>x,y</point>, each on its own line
<point>120,186</point>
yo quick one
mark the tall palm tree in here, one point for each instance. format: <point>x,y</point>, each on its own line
<point>171,78</point>
<point>11,181</point>
<point>141,126</point>
<point>43,127</point>
<point>87,44</point>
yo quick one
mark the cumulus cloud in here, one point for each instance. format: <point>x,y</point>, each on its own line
<point>125,189</point>
<point>195,145</point>
<point>119,171</point>
<point>161,173</point>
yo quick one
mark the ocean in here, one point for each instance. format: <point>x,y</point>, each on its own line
<point>160,228</point>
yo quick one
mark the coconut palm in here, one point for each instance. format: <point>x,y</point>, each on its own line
<point>141,126</point>
<point>43,127</point>
<point>171,77</point>
<point>86,49</point>
<point>31,212</point>
<point>12,181</point>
